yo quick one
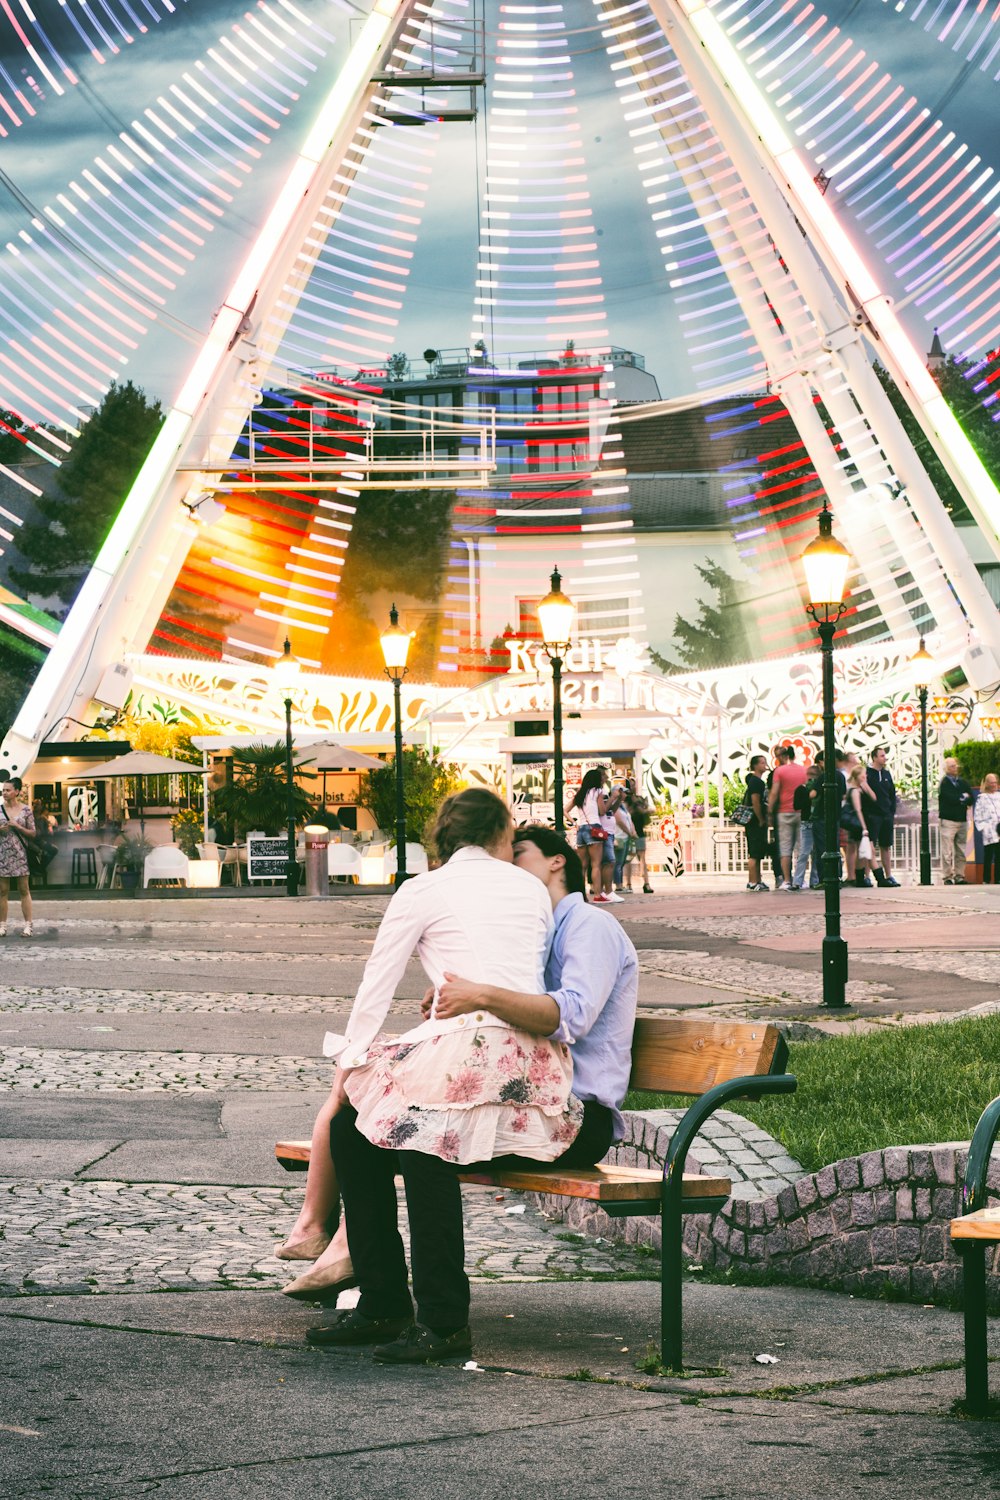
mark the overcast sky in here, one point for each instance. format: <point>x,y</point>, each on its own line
<point>38,159</point>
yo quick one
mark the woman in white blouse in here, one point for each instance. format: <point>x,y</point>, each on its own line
<point>986,816</point>
<point>465,1089</point>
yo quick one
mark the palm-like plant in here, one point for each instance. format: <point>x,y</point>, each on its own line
<point>257,796</point>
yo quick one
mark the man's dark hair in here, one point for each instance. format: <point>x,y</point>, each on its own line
<point>551,844</point>
<point>755,760</point>
<point>475,818</point>
<point>872,753</point>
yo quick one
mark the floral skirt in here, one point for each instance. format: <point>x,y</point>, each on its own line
<point>468,1095</point>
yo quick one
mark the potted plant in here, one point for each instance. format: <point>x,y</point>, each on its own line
<point>130,857</point>
<point>257,796</point>
<point>187,827</point>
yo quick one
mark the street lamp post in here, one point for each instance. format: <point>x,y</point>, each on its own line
<point>395,647</point>
<point>555,618</point>
<point>287,672</point>
<point>922,663</point>
<point>825,562</point>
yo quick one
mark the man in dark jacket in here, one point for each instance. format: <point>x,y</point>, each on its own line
<point>881,819</point>
<point>954,801</point>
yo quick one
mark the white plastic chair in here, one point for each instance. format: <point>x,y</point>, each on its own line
<point>165,862</point>
<point>416,861</point>
<point>228,858</point>
<point>341,859</point>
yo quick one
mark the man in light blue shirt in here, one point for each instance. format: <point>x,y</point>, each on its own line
<point>592,984</point>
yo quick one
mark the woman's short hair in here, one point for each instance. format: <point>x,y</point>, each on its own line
<point>552,844</point>
<point>475,818</point>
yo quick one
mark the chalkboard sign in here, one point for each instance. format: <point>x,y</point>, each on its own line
<point>267,858</point>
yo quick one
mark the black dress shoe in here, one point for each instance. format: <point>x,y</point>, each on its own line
<point>418,1345</point>
<point>352,1327</point>
<point>891,880</point>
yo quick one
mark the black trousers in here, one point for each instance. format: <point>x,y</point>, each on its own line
<point>991,864</point>
<point>366,1175</point>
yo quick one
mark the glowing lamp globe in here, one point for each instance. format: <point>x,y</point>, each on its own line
<point>825,561</point>
<point>286,672</point>
<point>556,615</point>
<point>923,666</point>
<point>395,644</point>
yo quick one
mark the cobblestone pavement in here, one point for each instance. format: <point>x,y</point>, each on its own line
<point>68,999</point>
<point>108,1237</point>
<point>49,1069</point>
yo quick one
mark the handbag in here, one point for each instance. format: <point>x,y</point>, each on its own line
<point>597,830</point>
<point>849,820</point>
<point>743,815</point>
<point>865,850</point>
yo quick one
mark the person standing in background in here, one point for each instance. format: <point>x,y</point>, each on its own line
<point>987,817</point>
<point>881,823</point>
<point>954,801</point>
<point>781,800</point>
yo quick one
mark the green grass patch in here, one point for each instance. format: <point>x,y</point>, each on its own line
<point>900,1086</point>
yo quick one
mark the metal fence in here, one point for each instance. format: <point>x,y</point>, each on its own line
<point>710,849</point>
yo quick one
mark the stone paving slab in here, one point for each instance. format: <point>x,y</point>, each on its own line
<point>974,929</point>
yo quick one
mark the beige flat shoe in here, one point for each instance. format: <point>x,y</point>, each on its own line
<point>309,1249</point>
<point>324,1285</point>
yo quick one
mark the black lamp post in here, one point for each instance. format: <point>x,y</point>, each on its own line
<point>825,562</point>
<point>287,671</point>
<point>922,663</point>
<point>395,646</point>
<point>555,617</point>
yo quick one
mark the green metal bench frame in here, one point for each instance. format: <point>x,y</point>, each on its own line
<point>973,1253</point>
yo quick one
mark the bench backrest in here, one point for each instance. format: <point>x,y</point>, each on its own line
<point>691,1056</point>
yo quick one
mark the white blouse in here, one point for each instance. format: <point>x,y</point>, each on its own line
<point>986,816</point>
<point>476,916</point>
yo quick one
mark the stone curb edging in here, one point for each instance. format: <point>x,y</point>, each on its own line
<point>870,1225</point>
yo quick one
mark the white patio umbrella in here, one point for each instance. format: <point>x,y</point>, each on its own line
<point>140,764</point>
<point>327,755</point>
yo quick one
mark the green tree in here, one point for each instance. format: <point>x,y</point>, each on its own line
<point>426,783</point>
<point>257,796</point>
<point>20,660</point>
<point>74,521</point>
<point>977,424</point>
<point>398,550</point>
<point>11,446</point>
<point>718,636</point>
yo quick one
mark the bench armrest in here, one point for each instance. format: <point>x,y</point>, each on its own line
<point>980,1151</point>
<point>734,1088</point>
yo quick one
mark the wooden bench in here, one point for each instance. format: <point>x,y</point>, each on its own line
<point>715,1061</point>
<point>978,1226</point>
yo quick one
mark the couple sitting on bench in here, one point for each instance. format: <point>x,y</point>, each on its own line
<point>528,1062</point>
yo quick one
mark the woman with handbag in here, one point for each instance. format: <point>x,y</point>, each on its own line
<point>986,816</point>
<point>859,853</point>
<point>593,803</point>
<point>16,826</point>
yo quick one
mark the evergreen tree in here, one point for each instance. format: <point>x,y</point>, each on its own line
<point>718,636</point>
<point>11,446</point>
<point>74,520</point>
<point>976,422</point>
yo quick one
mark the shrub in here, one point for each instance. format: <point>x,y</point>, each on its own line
<point>977,758</point>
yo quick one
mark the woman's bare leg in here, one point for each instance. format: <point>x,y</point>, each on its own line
<point>4,890</point>
<point>322,1193</point>
<point>25,892</point>
<point>594,852</point>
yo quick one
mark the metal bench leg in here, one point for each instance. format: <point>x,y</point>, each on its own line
<point>976,1370</point>
<point>671,1285</point>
